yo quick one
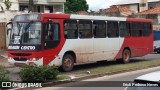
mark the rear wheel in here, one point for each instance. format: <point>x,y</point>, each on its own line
<point>126,56</point>
<point>67,63</point>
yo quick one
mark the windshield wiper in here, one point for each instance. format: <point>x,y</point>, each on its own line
<point>19,27</point>
<point>28,25</point>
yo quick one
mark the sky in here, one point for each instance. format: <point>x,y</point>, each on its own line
<point>95,5</point>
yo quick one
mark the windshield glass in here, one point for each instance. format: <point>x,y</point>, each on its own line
<point>26,33</point>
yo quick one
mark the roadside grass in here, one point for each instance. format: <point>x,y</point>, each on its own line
<point>117,68</point>
<point>62,77</point>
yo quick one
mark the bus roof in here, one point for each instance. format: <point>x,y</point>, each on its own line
<point>98,17</point>
<point>90,17</point>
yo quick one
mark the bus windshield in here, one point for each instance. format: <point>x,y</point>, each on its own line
<point>26,33</point>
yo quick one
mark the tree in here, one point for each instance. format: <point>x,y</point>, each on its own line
<point>73,6</point>
<point>8,4</point>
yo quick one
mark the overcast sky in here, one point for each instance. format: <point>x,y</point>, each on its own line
<point>95,5</point>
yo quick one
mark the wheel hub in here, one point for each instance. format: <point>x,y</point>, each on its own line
<point>67,62</point>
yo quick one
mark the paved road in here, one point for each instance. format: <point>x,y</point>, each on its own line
<point>91,84</point>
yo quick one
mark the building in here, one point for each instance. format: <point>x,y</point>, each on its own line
<point>154,14</point>
<point>149,9</point>
<point>50,6</point>
<point>117,11</point>
<point>139,5</point>
<point>82,13</point>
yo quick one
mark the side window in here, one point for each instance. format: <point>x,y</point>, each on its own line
<point>85,29</point>
<point>51,35</point>
<point>99,29</point>
<point>147,29</point>
<point>70,29</point>
<point>136,29</point>
<point>52,32</point>
<point>112,29</point>
<point>124,29</point>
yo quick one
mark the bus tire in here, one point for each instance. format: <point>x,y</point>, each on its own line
<point>67,63</point>
<point>126,56</point>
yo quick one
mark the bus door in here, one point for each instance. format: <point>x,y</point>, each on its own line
<point>113,41</point>
<point>51,40</point>
<point>100,43</point>
<point>106,40</point>
<point>85,40</point>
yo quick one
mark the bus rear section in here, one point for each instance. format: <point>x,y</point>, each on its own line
<point>66,40</point>
<point>139,37</point>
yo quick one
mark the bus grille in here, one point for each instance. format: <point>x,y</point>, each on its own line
<point>21,54</point>
<point>20,59</point>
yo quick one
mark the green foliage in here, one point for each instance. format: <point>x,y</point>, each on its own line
<point>8,4</point>
<point>34,73</point>
<point>3,75</point>
<point>73,6</point>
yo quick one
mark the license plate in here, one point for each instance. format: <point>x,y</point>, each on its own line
<point>20,64</point>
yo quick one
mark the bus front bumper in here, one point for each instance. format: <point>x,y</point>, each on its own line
<point>24,63</point>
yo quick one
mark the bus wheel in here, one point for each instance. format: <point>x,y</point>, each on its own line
<point>67,63</point>
<point>126,56</point>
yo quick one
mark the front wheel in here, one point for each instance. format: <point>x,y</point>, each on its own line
<point>126,56</point>
<point>67,63</point>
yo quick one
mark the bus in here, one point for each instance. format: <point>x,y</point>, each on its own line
<point>65,40</point>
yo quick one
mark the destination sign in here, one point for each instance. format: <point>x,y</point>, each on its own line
<point>22,47</point>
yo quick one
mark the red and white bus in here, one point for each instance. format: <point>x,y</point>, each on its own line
<point>64,39</point>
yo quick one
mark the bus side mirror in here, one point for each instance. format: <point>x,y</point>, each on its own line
<point>8,31</point>
<point>9,27</point>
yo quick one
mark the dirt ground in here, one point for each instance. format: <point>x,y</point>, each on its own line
<point>3,59</point>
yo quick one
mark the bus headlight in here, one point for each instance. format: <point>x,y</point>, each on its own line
<point>34,59</point>
<point>10,58</point>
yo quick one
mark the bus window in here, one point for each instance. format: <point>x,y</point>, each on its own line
<point>52,35</point>
<point>70,29</point>
<point>85,29</point>
<point>99,29</point>
<point>52,31</point>
<point>136,29</point>
<point>124,29</point>
<point>112,29</point>
<point>147,29</point>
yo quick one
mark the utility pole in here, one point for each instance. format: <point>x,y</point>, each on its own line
<point>31,3</point>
